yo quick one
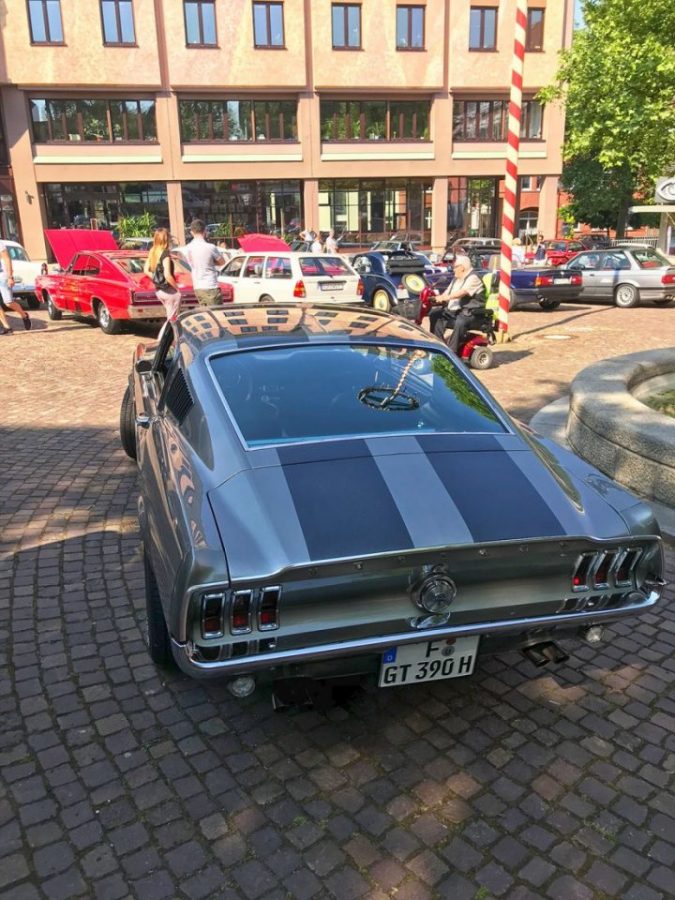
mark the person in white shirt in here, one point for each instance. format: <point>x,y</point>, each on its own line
<point>316,245</point>
<point>203,258</point>
<point>331,245</point>
<point>7,300</point>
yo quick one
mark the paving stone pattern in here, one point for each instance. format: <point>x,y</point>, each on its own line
<point>119,780</point>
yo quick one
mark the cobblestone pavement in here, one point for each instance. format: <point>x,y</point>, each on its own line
<point>118,780</point>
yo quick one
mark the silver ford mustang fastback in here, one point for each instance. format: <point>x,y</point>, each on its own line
<point>329,493</point>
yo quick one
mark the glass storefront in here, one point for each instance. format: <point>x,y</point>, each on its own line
<point>102,205</point>
<point>366,210</point>
<point>240,207</point>
<point>474,207</point>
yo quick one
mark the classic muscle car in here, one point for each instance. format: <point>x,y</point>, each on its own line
<point>105,283</point>
<point>327,492</point>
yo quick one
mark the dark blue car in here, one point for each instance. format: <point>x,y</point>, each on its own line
<point>384,273</point>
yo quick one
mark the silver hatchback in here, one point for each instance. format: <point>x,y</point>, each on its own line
<point>625,274</point>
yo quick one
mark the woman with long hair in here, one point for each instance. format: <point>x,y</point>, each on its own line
<point>159,266</point>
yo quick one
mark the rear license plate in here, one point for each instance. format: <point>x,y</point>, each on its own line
<point>429,661</point>
<point>402,292</point>
<point>332,285</point>
<point>562,280</point>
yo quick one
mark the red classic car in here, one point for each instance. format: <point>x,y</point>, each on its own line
<point>106,283</point>
<point>558,252</point>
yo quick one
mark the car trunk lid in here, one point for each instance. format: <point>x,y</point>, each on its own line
<point>334,502</point>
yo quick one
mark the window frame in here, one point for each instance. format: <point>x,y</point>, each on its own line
<point>529,48</point>
<point>346,7</point>
<point>410,8</point>
<point>525,120</point>
<point>268,4</point>
<point>483,10</point>
<point>118,22</point>
<point>81,131</point>
<point>362,121</point>
<point>201,45</point>
<point>253,121</point>
<point>48,42</point>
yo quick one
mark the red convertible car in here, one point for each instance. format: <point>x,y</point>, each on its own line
<point>100,281</point>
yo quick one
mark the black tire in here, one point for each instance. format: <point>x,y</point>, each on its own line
<point>128,424</point>
<point>663,302</point>
<point>266,299</point>
<point>106,323</point>
<point>381,300</point>
<point>481,358</point>
<point>53,311</point>
<point>626,296</point>
<point>157,634</point>
<point>549,305</point>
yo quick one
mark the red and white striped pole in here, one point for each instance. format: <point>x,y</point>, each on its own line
<point>511,181</point>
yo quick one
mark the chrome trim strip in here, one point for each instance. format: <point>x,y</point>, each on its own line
<point>378,644</point>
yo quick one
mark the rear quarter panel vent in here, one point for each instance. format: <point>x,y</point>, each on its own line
<point>179,400</point>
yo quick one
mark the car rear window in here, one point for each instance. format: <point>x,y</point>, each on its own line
<point>323,266</point>
<point>134,264</point>
<point>285,395</point>
<point>649,259</point>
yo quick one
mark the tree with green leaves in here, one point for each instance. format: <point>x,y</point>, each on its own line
<point>618,84</point>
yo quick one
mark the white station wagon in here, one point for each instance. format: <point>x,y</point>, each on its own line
<point>288,277</point>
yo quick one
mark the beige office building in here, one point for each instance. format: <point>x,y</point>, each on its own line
<point>370,117</point>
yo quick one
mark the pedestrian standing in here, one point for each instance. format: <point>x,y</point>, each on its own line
<point>517,253</point>
<point>204,260</point>
<point>159,266</point>
<point>7,300</point>
<point>316,244</point>
<point>331,245</point>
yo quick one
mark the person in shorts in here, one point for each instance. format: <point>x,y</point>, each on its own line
<point>7,300</point>
<point>204,258</point>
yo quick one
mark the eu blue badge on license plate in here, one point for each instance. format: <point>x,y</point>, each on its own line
<point>389,655</point>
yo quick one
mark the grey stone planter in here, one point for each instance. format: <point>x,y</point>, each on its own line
<point>617,433</point>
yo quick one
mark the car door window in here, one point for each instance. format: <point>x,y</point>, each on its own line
<point>254,267</point>
<point>79,265</point>
<point>585,261</point>
<point>616,260</point>
<point>647,258</point>
<point>17,254</point>
<point>278,267</point>
<point>234,267</point>
<point>362,265</point>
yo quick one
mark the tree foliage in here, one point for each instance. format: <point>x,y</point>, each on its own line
<point>618,84</point>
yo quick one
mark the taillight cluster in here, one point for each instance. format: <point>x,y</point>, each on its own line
<point>299,289</point>
<point>576,280</point>
<point>543,281</point>
<point>239,612</point>
<point>606,568</point>
<point>668,278</point>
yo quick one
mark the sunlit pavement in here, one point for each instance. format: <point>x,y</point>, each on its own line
<point>120,780</point>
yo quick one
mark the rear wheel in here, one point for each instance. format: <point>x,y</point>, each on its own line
<point>266,299</point>
<point>626,296</point>
<point>481,358</point>
<point>53,311</point>
<point>128,424</point>
<point>107,324</point>
<point>381,301</point>
<point>549,304</point>
<point>157,636</point>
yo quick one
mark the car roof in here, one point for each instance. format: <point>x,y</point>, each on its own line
<point>249,325</point>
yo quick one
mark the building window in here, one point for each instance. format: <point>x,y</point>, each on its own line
<point>364,210</point>
<point>368,120</point>
<point>535,30</point>
<point>268,24</point>
<point>92,121</point>
<point>530,183</point>
<point>487,120</point>
<point>200,23</point>
<point>237,207</point>
<point>346,26</point>
<point>102,205</point>
<point>45,21</point>
<point>216,121</point>
<point>483,28</point>
<point>410,28</point>
<point>117,17</point>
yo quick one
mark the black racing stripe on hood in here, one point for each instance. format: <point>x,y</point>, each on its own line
<point>345,508</point>
<point>321,451</point>
<point>496,500</point>
<point>441,443</point>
